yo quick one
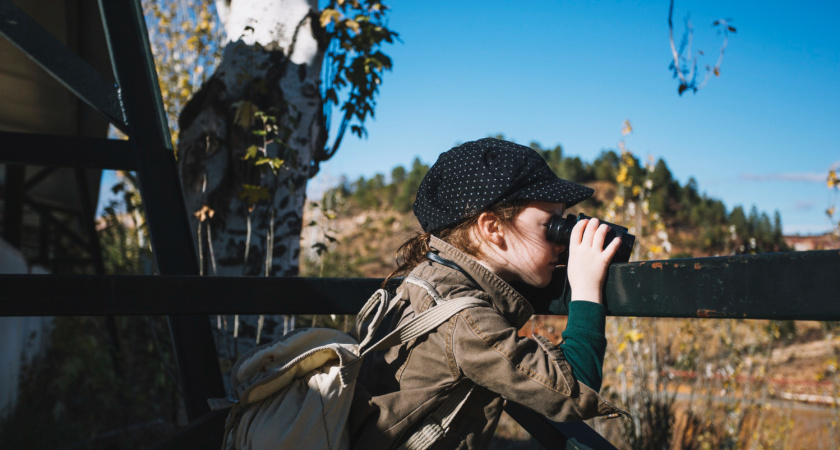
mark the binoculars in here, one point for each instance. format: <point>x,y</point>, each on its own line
<point>560,229</point>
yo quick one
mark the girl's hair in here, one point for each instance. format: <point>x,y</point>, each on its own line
<point>413,251</point>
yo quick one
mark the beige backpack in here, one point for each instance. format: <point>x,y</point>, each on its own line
<point>296,392</point>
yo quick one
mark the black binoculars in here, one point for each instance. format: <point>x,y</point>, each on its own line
<point>560,229</point>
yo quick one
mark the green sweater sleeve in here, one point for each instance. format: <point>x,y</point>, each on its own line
<point>584,342</point>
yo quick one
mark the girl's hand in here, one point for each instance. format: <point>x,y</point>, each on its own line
<point>588,259</point>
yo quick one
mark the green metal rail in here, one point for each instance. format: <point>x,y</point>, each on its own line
<point>800,285</point>
<point>782,286</point>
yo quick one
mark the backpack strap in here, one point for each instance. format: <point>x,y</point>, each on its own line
<point>373,313</point>
<point>436,423</point>
<point>426,322</point>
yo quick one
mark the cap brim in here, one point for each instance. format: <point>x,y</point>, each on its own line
<point>557,190</point>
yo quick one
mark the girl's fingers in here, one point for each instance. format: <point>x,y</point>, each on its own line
<point>589,233</point>
<point>600,235</point>
<point>611,249</point>
<point>577,232</point>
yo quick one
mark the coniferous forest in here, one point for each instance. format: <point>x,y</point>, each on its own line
<point>697,225</point>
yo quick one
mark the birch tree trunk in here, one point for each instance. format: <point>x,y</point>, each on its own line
<point>247,219</point>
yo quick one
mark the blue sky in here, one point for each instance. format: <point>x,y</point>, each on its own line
<point>570,73</point>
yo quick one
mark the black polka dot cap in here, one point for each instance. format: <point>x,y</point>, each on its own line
<point>476,175</point>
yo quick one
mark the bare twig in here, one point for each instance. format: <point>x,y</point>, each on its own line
<point>685,63</point>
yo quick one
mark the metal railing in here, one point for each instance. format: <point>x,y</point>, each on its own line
<point>796,285</point>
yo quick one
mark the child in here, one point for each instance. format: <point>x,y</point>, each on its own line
<point>484,207</point>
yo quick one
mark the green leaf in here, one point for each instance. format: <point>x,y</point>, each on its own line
<point>253,193</point>
<point>275,163</point>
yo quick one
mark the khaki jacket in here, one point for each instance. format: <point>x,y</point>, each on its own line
<point>398,389</point>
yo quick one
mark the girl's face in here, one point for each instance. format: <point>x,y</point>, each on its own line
<point>526,254</point>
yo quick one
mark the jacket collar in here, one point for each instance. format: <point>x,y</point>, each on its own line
<point>505,298</point>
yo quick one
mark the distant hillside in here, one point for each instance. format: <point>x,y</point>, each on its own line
<point>358,226</point>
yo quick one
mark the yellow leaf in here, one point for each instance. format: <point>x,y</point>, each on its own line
<point>273,163</point>
<point>636,191</point>
<point>622,174</point>
<point>328,15</point>
<point>717,71</point>
<point>832,179</point>
<point>633,335</point>
<point>627,129</point>
<point>204,213</point>
<point>619,369</point>
<point>352,24</point>
<point>251,152</point>
<point>619,201</point>
<point>622,346</point>
<point>830,212</point>
<point>245,111</point>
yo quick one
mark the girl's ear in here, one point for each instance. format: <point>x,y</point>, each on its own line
<point>489,228</point>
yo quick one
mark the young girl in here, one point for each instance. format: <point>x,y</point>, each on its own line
<point>484,207</point>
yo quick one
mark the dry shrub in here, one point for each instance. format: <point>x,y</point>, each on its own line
<point>712,384</point>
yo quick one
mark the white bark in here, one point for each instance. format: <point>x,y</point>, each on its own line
<point>257,22</point>
<point>272,59</point>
